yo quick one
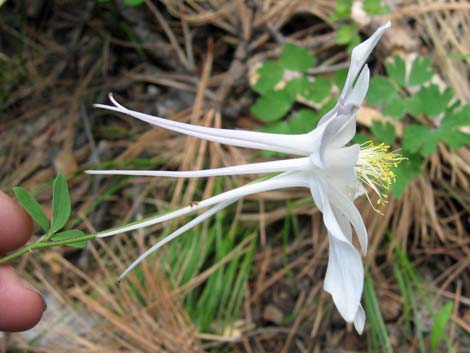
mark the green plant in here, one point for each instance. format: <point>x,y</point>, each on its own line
<point>126,2</point>
<point>53,235</point>
<point>378,339</point>
<point>432,115</point>
<point>284,82</point>
<point>347,32</point>
<point>220,254</point>
<point>413,290</point>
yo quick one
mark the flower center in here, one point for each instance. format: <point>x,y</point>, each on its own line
<point>374,167</point>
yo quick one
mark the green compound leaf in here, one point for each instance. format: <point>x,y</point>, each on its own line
<point>385,132</point>
<point>296,58</point>
<point>374,7</point>
<point>454,138</point>
<point>303,121</point>
<point>133,2</point>
<point>327,107</point>
<point>457,117</point>
<point>449,129</point>
<point>397,70</point>
<point>316,91</point>
<point>69,235</point>
<point>429,101</point>
<point>360,138</point>
<point>278,127</point>
<point>346,33</point>
<point>381,89</point>
<point>339,78</point>
<point>31,206</point>
<point>270,73</point>
<point>273,105</point>
<point>395,107</point>
<point>439,327</point>
<point>405,172</point>
<point>424,140</point>
<point>342,10</point>
<point>383,92</point>
<point>296,86</point>
<point>420,139</point>
<point>421,71</point>
<point>60,203</point>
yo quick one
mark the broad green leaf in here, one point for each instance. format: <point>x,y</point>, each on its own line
<point>453,120</point>
<point>397,70</point>
<point>69,235</point>
<point>395,107</point>
<point>296,58</point>
<point>327,107</point>
<point>316,91</point>
<point>296,86</point>
<point>420,139</point>
<point>383,92</point>
<point>457,117</point>
<point>60,203</point>
<point>339,77</point>
<point>440,323</point>
<point>345,34</point>
<point>360,138</point>
<point>405,172</point>
<point>355,41</point>
<point>278,127</point>
<point>421,71</point>
<point>374,7</point>
<point>429,101</point>
<point>31,206</point>
<point>273,105</point>
<point>342,10</point>
<point>424,140</point>
<point>133,2</point>
<point>454,138</point>
<point>303,121</point>
<point>384,132</point>
<point>380,90</point>
<point>270,73</point>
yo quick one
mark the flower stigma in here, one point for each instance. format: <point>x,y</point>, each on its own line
<point>374,168</point>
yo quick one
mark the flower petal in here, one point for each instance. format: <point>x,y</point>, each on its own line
<point>334,133</point>
<point>347,208</point>
<point>359,56</point>
<point>254,168</point>
<point>360,320</point>
<point>359,92</point>
<point>344,158</point>
<point>294,144</point>
<point>193,223</point>
<point>284,180</point>
<point>344,277</point>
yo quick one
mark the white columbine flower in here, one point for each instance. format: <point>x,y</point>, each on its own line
<point>334,173</point>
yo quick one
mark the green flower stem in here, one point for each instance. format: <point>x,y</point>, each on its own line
<point>45,242</point>
<point>42,244</point>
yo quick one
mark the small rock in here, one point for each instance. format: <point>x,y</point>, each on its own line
<point>273,314</point>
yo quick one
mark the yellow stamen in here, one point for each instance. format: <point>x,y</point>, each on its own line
<point>374,168</point>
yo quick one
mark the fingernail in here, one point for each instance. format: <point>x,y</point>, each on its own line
<point>30,287</point>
